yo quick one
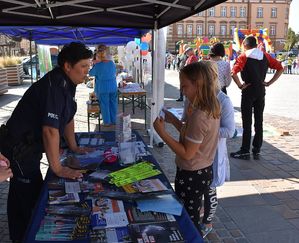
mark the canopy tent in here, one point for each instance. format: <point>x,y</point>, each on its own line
<point>145,14</point>
<point>60,35</point>
<point>137,14</point>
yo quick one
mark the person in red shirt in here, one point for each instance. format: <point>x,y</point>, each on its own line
<point>253,65</point>
<point>191,56</point>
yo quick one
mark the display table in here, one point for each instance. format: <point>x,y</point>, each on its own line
<point>188,230</point>
<point>133,94</point>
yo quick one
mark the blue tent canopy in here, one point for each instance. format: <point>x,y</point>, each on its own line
<point>60,35</point>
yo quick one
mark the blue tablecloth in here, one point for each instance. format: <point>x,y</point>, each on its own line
<point>190,233</point>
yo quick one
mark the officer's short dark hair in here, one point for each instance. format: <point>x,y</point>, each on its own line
<point>73,53</point>
<point>217,50</point>
<point>250,42</point>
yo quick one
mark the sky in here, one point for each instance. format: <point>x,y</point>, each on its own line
<point>294,9</point>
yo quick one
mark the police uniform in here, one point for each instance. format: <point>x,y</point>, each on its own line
<point>48,102</point>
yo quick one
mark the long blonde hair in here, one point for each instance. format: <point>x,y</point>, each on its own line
<point>204,76</point>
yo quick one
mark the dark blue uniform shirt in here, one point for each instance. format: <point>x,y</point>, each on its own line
<point>48,102</point>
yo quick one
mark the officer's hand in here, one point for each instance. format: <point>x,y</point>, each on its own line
<point>68,173</point>
<point>83,150</point>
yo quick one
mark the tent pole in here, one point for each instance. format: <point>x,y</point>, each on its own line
<point>141,67</point>
<point>36,64</point>
<point>154,43</point>
<point>30,53</point>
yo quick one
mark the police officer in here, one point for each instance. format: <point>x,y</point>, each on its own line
<point>44,114</point>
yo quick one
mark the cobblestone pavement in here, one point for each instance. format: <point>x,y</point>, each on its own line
<point>259,204</point>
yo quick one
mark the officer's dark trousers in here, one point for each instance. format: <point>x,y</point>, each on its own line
<point>253,99</point>
<point>22,197</point>
<point>24,190</point>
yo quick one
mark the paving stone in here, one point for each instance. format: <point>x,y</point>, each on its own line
<point>242,240</point>
<point>292,204</point>
<point>277,236</point>
<point>222,233</point>
<point>218,225</point>
<point>295,222</point>
<point>286,212</point>
<point>236,233</point>
<point>213,237</point>
<point>271,199</point>
<point>228,240</point>
<point>282,195</point>
<point>230,225</point>
<point>251,218</point>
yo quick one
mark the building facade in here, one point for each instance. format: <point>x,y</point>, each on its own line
<point>221,20</point>
<point>14,47</point>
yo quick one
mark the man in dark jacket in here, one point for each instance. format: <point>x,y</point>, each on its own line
<point>253,65</point>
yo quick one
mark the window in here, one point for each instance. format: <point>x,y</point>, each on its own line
<point>259,25</point>
<point>223,11</point>
<point>272,29</point>
<point>222,29</point>
<point>287,13</point>
<point>232,29</point>
<point>189,29</point>
<point>242,12</point>
<point>233,11</point>
<point>211,29</point>
<point>285,29</point>
<point>199,29</point>
<point>180,29</point>
<point>259,12</point>
<point>200,14</point>
<point>242,26</point>
<point>212,12</point>
<point>273,12</point>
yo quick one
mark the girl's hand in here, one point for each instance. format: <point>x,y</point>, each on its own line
<point>169,117</point>
<point>159,125</point>
<point>5,160</point>
<point>5,173</point>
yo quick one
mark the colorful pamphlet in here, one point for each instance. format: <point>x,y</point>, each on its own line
<point>162,232</point>
<point>61,197</point>
<point>144,186</point>
<point>108,213</point>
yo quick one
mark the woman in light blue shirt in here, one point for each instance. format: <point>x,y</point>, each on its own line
<point>105,86</point>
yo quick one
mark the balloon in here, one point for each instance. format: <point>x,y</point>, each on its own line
<point>129,57</point>
<point>137,41</point>
<point>148,37</point>
<point>144,53</point>
<point>144,46</point>
<point>143,39</point>
<point>205,40</point>
<point>136,52</point>
<point>130,47</point>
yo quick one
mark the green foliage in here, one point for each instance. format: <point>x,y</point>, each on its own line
<point>291,40</point>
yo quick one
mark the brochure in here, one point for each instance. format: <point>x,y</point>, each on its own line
<point>163,232</point>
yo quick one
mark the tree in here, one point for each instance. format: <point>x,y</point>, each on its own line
<point>291,40</point>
